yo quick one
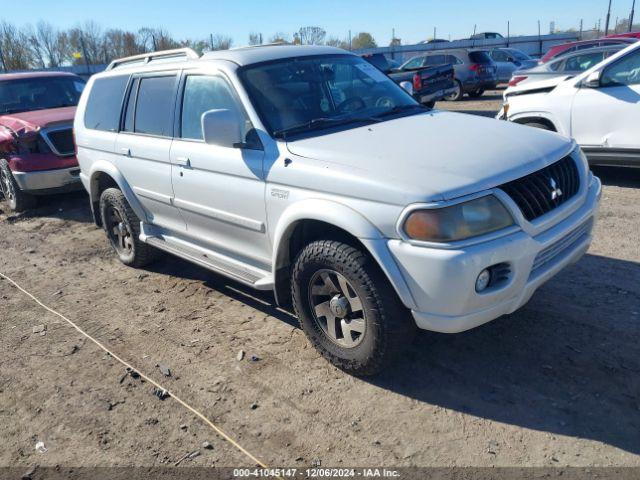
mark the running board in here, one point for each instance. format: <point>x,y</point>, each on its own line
<point>216,262</point>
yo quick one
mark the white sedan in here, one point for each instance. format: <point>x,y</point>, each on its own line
<point>599,108</point>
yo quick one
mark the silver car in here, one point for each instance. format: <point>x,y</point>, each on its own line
<point>566,65</point>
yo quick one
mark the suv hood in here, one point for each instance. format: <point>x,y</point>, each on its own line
<point>436,155</point>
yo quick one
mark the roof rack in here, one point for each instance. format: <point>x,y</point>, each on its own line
<point>186,53</point>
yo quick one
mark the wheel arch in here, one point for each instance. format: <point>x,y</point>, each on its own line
<point>523,119</point>
<point>313,220</point>
<point>105,175</point>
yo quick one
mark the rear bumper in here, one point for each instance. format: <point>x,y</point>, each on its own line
<point>442,282</point>
<point>49,181</point>
<point>480,84</point>
<point>435,96</point>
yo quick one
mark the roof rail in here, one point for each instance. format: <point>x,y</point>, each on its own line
<point>187,53</point>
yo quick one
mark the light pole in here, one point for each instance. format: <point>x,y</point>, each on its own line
<point>633,7</point>
<point>606,25</point>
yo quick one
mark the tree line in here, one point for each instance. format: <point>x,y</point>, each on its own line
<point>46,46</point>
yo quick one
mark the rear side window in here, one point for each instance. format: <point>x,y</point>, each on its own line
<point>104,104</point>
<point>480,57</point>
<point>154,107</point>
<point>436,60</point>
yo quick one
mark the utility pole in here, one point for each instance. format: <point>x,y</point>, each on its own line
<point>349,40</point>
<point>435,31</point>
<point>211,41</point>
<point>508,32</point>
<point>581,28</point>
<point>633,8</point>
<point>606,25</point>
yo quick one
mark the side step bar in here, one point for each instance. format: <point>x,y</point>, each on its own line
<point>216,262</point>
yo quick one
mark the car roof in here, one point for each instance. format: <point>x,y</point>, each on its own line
<point>265,53</point>
<point>577,53</point>
<point>24,75</point>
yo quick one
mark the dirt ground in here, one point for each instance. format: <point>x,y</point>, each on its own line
<point>555,384</point>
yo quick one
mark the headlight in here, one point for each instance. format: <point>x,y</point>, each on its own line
<point>458,222</point>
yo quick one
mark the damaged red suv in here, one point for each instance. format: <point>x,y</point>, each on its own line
<point>37,153</point>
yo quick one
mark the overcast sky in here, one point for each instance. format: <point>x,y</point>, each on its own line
<point>413,20</point>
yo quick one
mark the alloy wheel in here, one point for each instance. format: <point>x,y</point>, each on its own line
<point>118,231</point>
<point>337,308</point>
<point>7,186</point>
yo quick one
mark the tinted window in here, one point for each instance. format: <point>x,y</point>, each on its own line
<point>104,104</point>
<point>379,61</point>
<point>500,56</point>
<point>204,93</point>
<point>583,62</point>
<point>416,62</point>
<point>154,107</point>
<point>435,60</point>
<point>624,72</point>
<point>479,57</point>
<point>453,60</point>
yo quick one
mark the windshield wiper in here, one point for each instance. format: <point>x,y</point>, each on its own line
<point>402,108</point>
<point>321,122</point>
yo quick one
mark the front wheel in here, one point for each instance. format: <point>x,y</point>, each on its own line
<point>18,200</point>
<point>347,308</point>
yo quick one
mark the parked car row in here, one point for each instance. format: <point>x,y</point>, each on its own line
<point>308,172</point>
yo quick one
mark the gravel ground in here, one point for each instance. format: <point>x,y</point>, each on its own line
<point>554,384</point>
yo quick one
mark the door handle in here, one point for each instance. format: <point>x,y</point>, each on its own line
<point>183,161</point>
<point>126,152</point>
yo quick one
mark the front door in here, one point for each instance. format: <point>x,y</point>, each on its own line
<point>219,190</point>
<point>608,117</point>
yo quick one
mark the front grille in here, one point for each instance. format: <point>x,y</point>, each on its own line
<point>563,245</point>
<point>60,141</point>
<point>546,189</point>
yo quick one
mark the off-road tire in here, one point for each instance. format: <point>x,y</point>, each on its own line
<point>141,254</point>
<point>388,329</point>
<point>18,200</point>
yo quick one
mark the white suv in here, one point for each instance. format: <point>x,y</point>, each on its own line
<point>307,171</point>
<point>600,108</point>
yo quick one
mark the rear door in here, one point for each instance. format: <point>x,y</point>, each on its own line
<point>144,144</point>
<point>219,190</point>
<point>608,117</point>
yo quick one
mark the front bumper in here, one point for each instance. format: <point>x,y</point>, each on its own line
<point>435,96</point>
<point>49,181</point>
<point>442,282</point>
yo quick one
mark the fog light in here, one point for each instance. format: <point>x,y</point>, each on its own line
<point>482,282</point>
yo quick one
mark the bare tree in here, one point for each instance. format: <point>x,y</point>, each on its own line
<point>279,37</point>
<point>53,44</point>
<point>336,42</point>
<point>311,35</point>
<point>15,45</point>
<point>255,38</point>
<point>221,42</point>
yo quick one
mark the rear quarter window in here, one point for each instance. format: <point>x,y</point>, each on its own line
<point>104,103</point>
<point>480,57</point>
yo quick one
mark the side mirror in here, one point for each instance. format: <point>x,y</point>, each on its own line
<point>592,81</point>
<point>222,127</point>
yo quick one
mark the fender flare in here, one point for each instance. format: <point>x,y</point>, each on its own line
<point>345,218</point>
<point>549,117</point>
<point>107,168</point>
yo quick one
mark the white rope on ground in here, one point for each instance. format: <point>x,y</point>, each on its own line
<point>217,429</point>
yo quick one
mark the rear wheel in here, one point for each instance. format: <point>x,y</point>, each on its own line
<point>476,93</point>
<point>347,308</point>
<point>18,200</point>
<point>122,227</point>
<point>458,94</point>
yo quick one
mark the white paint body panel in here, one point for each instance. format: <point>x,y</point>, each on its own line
<point>244,204</point>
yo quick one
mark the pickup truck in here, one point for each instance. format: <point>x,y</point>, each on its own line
<point>426,84</point>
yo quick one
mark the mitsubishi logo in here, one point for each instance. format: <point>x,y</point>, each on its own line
<point>556,193</point>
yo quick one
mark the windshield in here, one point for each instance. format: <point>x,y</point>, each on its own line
<point>518,55</point>
<point>299,95</point>
<point>39,93</point>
